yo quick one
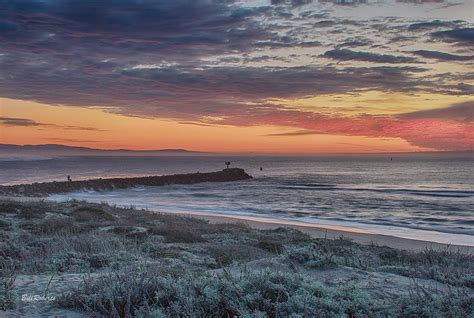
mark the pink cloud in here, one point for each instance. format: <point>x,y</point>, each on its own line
<point>437,133</point>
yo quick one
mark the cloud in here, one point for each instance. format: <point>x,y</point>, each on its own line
<point>423,26</point>
<point>187,60</point>
<point>189,93</point>
<point>196,124</point>
<point>25,122</point>
<point>265,58</point>
<point>424,129</point>
<point>295,3</point>
<point>295,133</point>
<point>463,112</point>
<point>461,36</point>
<point>441,56</point>
<point>357,42</point>
<point>10,121</point>
<point>349,55</point>
<point>68,140</point>
<point>130,29</point>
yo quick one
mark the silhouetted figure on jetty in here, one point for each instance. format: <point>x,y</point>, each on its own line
<point>261,169</point>
<point>69,178</point>
<point>227,163</point>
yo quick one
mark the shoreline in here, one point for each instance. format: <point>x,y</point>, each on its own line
<point>334,232</point>
<point>313,230</point>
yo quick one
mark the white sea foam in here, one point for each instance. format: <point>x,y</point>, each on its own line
<point>429,198</point>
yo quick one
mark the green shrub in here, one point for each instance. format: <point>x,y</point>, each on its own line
<point>311,256</point>
<point>122,230</point>
<point>173,233</point>
<point>24,211</point>
<point>57,226</point>
<point>67,261</point>
<point>422,303</point>
<point>10,207</point>
<point>202,295</point>
<point>4,225</point>
<point>271,246</point>
<point>7,285</point>
<point>98,261</point>
<point>91,214</point>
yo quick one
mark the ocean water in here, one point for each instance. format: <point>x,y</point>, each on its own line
<point>428,197</point>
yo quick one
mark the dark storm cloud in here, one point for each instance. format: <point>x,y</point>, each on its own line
<point>461,36</point>
<point>441,56</point>
<point>349,55</point>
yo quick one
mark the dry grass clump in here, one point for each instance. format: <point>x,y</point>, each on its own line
<point>175,233</point>
<point>313,257</point>
<point>225,255</point>
<point>4,225</point>
<point>23,210</point>
<point>122,230</point>
<point>91,214</point>
<point>7,284</point>
<point>177,230</point>
<point>152,292</point>
<point>272,246</point>
<point>57,225</point>
<point>449,266</point>
<point>422,303</point>
<point>147,293</point>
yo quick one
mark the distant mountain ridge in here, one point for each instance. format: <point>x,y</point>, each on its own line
<point>57,149</point>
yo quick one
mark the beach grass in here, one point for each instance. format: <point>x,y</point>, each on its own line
<point>115,262</point>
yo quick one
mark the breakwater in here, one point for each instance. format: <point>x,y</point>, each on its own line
<point>55,187</point>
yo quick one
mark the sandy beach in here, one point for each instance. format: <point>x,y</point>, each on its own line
<point>321,231</point>
<point>313,230</point>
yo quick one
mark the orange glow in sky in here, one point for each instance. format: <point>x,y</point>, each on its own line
<point>239,76</point>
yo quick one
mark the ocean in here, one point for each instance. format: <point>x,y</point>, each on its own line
<point>427,197</point>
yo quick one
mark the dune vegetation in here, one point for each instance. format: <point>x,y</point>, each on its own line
<point>82,258</point>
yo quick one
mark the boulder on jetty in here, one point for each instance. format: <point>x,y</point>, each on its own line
<point>47,188</point>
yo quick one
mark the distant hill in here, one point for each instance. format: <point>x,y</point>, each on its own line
<point>63,150</point>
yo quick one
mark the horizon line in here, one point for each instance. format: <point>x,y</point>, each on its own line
<point>182,150</point>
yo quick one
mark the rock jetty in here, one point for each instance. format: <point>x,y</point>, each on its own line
<point>55,187</point>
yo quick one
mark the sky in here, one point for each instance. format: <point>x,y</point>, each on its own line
<point>279,76</point>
